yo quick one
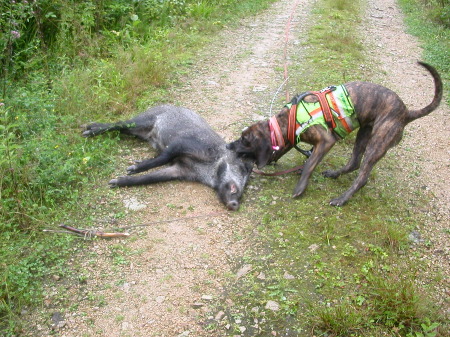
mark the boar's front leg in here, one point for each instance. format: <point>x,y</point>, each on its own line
<point>147,164</point>
<point>165,174</point>
<point>178,149</point>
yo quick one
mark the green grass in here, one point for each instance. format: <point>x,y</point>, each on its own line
<point>346,271</point>
<point>323,264</point>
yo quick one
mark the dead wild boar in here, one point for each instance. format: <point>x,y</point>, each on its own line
<point>189,147</point>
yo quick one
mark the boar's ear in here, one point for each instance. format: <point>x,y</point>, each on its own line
<point>264,153</point>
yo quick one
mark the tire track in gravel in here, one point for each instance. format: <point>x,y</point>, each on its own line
<point>244,73</point>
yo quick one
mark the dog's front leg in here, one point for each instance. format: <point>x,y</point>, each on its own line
<point>322,141</point>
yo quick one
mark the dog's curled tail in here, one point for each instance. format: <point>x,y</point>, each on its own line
<point>414,114</point>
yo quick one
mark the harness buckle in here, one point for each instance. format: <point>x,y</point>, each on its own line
<point>328,89</point>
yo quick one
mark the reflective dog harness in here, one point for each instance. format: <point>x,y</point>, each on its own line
<point>334,110</point>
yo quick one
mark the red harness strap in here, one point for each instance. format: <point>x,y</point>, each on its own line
<point>292,124</point>
<point>324,106</point>
<point>321,95</point>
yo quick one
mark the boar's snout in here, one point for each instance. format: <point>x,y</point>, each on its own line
<point>233,205</point>
<point>229,193</point>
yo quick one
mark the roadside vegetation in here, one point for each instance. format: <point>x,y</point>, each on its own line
<point>429,20</point>
<point>63,63</point>
<point>317,270</point>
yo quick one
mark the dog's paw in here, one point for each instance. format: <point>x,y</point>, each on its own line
<point>297,195</point>
<point>330,174</point>
<point>300,188</point>
<point>338,202</point>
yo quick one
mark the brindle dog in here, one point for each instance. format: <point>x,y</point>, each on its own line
<point>382,116</point>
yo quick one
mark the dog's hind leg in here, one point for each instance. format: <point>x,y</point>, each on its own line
<point>362,138</point>
<point>379,143</point>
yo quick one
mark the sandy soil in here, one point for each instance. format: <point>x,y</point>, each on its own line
<point>175,268</point>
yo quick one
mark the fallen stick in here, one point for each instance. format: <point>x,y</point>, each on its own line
<point>90,232</point>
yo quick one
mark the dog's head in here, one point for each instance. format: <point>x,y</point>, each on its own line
<point>255,144</point>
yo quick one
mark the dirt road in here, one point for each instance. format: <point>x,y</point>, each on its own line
<point>173,269</point>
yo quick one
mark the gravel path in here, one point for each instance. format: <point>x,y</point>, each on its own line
<point>174,269</point>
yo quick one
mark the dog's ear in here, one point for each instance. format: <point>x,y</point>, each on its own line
<point>263,153</point>
<point>232,146</point>
<point>254,144</point>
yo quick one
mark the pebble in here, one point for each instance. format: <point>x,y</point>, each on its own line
<point>212,83</point>
<point>197,305</point>
<point>415,237</point>
<point>125,326</point>
<point>244,270</point>
<point>272,305</point>
<point>160,299</point>
<point>313,247</point>
<point>133,204</point>
<point>207,297</point>
<point>219,316</point>
<point>258,88</point>
<point>58,321</point>
<point>261,276</point>
<point>288,276</point>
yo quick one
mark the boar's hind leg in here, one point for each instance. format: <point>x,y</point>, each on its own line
<point>165,174</point>
<point>95,129</point>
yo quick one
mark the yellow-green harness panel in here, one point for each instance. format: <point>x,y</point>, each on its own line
<point>342,109</point>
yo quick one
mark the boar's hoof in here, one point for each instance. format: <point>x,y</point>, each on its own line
<point>131,169</point>
<point>114,183</point>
